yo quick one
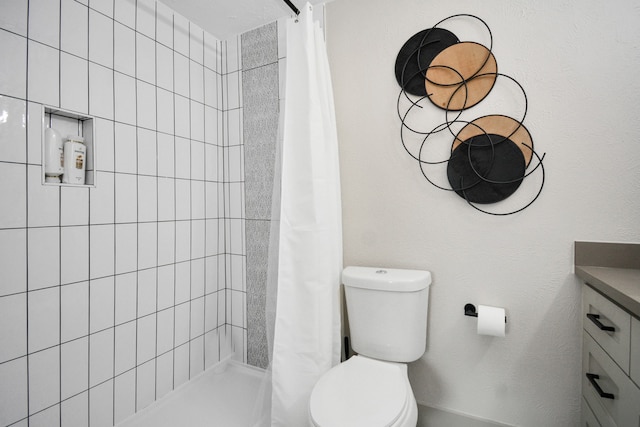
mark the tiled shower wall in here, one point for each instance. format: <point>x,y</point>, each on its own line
<point>112,296</point>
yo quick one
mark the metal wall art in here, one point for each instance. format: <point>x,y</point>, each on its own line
<point>490,155</point>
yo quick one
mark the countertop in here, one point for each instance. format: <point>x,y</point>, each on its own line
<point>613,269</point>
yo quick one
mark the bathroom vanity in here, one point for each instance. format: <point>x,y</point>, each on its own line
<point>611,333</point>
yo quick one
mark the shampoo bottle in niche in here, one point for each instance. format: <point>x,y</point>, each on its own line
<point>53,155</point>
<point>75,153</point>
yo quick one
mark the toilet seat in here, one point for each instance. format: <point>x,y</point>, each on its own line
<point>361,392</point>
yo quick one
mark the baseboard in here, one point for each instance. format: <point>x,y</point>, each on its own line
<point>435,417</point>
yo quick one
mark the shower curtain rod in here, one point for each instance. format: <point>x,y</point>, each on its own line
<point>292,6</point>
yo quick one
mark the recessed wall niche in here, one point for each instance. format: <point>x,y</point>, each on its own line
<point>69,123</point>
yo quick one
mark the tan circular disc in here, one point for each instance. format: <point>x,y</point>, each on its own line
<point>498,125</point>
<point>445,87</point>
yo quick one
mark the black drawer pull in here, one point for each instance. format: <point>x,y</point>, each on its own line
<point>592,379</point>
<point>594,318</point>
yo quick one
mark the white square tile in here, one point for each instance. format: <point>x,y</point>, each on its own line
<point>211,163</point>
<point>146,349</point>
<point>196,81</point>
<point>181,74</point>
<point>102,301</point>
<point>183,241</point>
<point>182,321</point>
<point>180,365</point>
<point>165,330</point>
<point>13,388</point>
<point>74,367</point>
<point>125,396</point>
<point>125,142</point>
<point>166,199</point>
<point>146,17</point>
<point>237,308</point>
<point>74,28</point>
<point>182,158</point>
<point>145,59</point>
<point>236,172</point>
<point>197,121</point>
<point>126,198</point>
<point>197,200</point>
<point>49,417</point>
<point>105,145</point>
<point>13,328</point>
<point>74,254</point>
<point>102,200</point>
<point>237,273</point>
<point>166,289</point>
<point>13,67</point>
<point>126,297</point>
<point>146,292</point>
<point>44,379</point>
<point>211,349</point>
<point>166,242</point>
<point>103,6</point>
<point>125,347</point>
<point>234,57</point>
<point>212,237</point>
<point>211,311</point>
<point>126,248</point>
<point>102,247</point>
<point>43,257</point>
<point>74,83</point>
<point>181,34</point>
<point>236,199</point>
<point>146,105</point>
<point>34,133</point>
<point>234,98</point>
<point>164,372</point>
<point>100,356</point>
<point>183,199</point>
<point>197,160</point>
<point>234,136</point>
<point>13,128</point>
<point>74,314</point>
<point>147,245</point>
<point>165,111</point>
<point>125,99</point>
<point>164,24</point>
<point>146,384</point>
<point>14,16</point>
<point>164,66</point>
<point>44,22</point>
<point>211,126</point>
<point>44,200</point>
<point>196,49</point>
<point>101,404</point>
<point>210,88</point>
<point>211,52</point>
<point>100,39</point>
<point>196,355</point>
<point>44,75</point>
<point>197,238</point>
<point>124,11</point>
<point>75,411</point>
<point>211,274</point>
<point>182,119</point>
<point>74,205</point>
<point>183,282</point>
<point>166,147</point>
<point>146,152</point>
<point>197,317</point>
<point>13,261</point>
<point>101,98</point>
<point>124,49</point>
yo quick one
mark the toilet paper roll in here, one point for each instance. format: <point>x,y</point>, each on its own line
<point>491,321</point>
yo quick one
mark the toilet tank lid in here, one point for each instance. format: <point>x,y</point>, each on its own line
<point>386,279</point>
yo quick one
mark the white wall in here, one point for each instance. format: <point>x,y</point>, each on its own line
<point>578,64</point>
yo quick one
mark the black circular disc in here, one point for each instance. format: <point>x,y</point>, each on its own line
<point>416,55</point>
<point>504,164</point>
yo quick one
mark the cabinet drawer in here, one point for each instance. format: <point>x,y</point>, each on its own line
<point>587,419</point>
<point>634,369</point>
<point>623,409</point>
<point>600,309</point>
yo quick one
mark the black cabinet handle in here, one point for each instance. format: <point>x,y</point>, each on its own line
<point>595,319</point>
<point>592,379</point>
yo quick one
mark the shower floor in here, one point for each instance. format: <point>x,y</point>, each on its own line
<point>221,396</point>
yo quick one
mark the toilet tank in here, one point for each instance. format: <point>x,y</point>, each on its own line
<point>387,311</point>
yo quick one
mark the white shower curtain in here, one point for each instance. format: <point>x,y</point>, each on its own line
<point>307,335</point>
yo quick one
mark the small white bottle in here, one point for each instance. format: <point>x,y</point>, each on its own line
<point>75,153</point>
<point>53,155</point>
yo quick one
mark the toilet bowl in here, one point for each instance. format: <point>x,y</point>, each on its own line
<point>364,392</point>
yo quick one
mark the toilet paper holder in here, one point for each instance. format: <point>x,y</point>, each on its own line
<point>470,310</point>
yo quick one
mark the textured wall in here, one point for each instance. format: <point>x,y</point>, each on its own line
<point>578,65</point>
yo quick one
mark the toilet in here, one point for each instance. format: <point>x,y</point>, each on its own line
<point>387,311</point>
